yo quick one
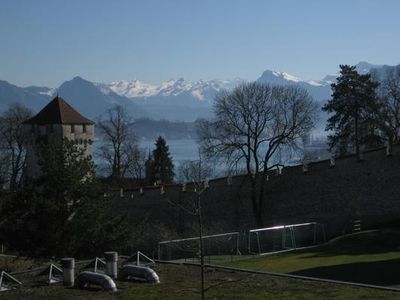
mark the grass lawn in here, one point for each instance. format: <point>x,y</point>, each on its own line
<point>11,263</point>
<point>182,282</point>
<point>367,257</point>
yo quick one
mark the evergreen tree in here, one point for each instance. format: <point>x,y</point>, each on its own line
<point>163,168</point>
<point>355,107</point>
<point>63,212</point>
<point>41,210</point>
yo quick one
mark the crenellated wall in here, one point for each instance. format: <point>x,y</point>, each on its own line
<point>369,190</point>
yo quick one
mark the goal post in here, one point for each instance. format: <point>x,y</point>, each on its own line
<point>285,237</point>
<point>213,245</point>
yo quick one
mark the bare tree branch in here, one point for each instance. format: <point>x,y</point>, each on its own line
<point>12,143</point>
<point>251,124</point>
<point>119,149</point>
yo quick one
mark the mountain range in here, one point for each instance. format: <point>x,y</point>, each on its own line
<point>175,100</point>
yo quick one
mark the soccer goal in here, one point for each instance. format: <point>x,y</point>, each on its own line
<point>285,237</point>
<point>188,248</point>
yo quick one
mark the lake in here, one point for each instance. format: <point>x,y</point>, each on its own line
<point>187,149</point>
<point>180,150</point>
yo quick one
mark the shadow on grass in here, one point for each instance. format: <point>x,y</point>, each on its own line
<point>369,242</point>
<point>386,273</point>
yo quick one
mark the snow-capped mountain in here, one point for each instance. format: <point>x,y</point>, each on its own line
<point>80,93</point>
<point>130,89</point>
<point>277,77</point>
<point>329,79</point>
<point>320,90</point>
<point>274,77</point>
<point>92,102</point>
<point>202,90</point>
<point>364,67</point>
<point>187,100</point>
<point>174,99</point>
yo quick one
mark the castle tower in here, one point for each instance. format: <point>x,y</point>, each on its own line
<point>57,119</point>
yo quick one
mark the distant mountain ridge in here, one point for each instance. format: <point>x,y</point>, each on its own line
<point>174,100</point>
<point>29,96</point>
<point>83,95</point>
<point>201,89</point>
<point>87,98</point>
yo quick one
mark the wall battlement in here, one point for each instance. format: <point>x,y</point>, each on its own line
<point>332,195</point>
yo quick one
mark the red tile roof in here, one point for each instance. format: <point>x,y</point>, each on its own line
<point>58,111</point>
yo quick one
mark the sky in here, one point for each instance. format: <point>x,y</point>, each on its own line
<point>46,42</point>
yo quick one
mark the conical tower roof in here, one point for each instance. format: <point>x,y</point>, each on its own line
<point>58,111</point>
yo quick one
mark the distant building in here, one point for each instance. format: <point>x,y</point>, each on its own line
<point>57,119</point>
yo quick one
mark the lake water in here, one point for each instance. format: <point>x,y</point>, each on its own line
<point>180,150</point>
<point>187,149</point>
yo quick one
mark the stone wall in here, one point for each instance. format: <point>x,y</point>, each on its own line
<point>82,134</point>
<point>369,190</point>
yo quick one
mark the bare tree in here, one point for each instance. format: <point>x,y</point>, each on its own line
<point>389,94</point>
<point>136,168</point>
<point>4,166</point>
<point>119,147</point>
<point>252,124</point>
<point>12,143</point>
<point>197,172</point>
<point>194,170</point>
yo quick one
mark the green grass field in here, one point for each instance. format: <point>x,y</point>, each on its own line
<point>368,257</point>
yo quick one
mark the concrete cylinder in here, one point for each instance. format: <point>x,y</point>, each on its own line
<point>68,267</point>
<point>111,263</point>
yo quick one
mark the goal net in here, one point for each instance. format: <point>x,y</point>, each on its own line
<point>285,237</point>
<point>188,248</point>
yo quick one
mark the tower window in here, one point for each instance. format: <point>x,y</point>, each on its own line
<point>72,128</point>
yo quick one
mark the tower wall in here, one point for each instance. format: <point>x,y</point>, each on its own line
<point>83,135</point>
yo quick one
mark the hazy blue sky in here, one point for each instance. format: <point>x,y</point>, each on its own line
<point>46,42</point>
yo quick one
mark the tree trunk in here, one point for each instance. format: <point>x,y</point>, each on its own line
<point>391,141</point>
<point>255,202</point>
<point>201,249</point>
<point>15,171</point>
<point>13,182</point>
<point>356,138</point>
<point>261,203</point>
